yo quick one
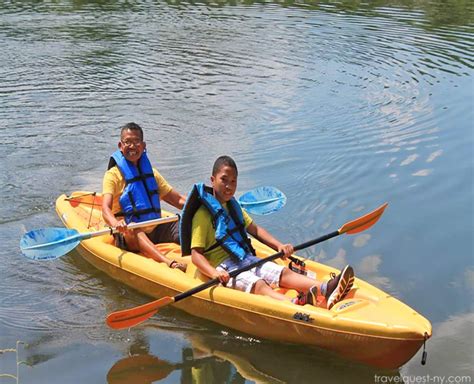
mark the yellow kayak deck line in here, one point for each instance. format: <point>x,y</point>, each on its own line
<point>368,326</point>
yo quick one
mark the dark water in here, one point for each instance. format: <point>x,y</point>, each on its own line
<point>342,105</point>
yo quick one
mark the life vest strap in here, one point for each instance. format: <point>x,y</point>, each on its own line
<point>140,199</point>
<point>140,177</point>
<point>244,244</point>
<point>138,212</point>
<point>233,241</point>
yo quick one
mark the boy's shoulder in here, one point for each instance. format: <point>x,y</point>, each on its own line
<point>202,219</point>
<point>202,213</point>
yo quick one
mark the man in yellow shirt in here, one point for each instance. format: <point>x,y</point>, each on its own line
<point>132,191</point>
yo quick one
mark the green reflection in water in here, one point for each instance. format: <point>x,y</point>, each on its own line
<point>435,13</point>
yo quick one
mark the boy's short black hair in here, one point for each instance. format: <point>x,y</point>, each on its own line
<point>224,161</point>
<point>132,127</point>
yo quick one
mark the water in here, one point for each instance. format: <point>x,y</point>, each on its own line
<point>342,105</point>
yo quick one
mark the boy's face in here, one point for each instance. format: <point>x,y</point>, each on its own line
<point>224,183</point>
<point>131,145</point>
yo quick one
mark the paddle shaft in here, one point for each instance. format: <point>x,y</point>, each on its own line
<point>238,271</point>
<point>245,203</point>
<point>110,230</point>
<point>162,220</point>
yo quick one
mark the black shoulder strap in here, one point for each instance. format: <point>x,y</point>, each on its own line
<point>112,163</point>
<point>190,207</point>
<point>241,229</point>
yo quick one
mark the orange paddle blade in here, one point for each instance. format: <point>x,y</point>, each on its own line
<point>363,222</point>
<point>130,317</point>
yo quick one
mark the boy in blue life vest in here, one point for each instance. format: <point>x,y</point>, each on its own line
<point>132,191</point>
<point>213,213</point>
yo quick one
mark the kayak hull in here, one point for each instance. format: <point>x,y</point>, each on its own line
<point>368,326</point>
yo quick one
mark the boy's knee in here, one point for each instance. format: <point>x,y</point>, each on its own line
<point>260,287</point>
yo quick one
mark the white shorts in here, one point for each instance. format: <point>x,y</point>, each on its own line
<point>269,272</point>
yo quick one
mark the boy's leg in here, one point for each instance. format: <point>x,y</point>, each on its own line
<point>244,281</point>
<point>292,280</point>
<point>274,274</point>
<point>249,282</point>
<point>307,287</point>
<point>262,288</point>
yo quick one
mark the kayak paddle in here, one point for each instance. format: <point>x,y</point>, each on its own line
<point>130,317</point>
<point>262,200</point>
<point>52,243</point>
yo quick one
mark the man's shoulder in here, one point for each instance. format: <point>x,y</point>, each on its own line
<point>113,173</point>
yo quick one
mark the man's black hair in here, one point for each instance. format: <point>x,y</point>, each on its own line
<point>132,127</point>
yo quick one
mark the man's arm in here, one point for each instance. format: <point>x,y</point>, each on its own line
<point>175,199</point>
<point>109,217</point>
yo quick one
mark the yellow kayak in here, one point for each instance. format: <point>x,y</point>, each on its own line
<point>368,326</point>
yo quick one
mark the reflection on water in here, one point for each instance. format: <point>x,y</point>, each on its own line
<point>152,355</point>
<point>229,359</point>
<point>194,369</point>
<point>434,13</point>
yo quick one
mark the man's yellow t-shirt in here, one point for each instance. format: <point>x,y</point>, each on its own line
<point>114,183</point>
<point>203,235</point>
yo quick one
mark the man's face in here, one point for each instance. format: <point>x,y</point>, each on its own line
<point>131,145</point>
<point>224,183</point>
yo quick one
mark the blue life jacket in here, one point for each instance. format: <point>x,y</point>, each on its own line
<point>230,229</point>
<point>140,200</point>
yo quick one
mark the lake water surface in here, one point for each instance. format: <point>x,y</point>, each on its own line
<point>341,105</point>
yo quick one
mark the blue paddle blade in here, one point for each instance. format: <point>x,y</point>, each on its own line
<point>49,243</point>
<point>263,200</point>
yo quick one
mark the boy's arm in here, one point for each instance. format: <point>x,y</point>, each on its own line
<point>265,237</point>
<point>200,261</point>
